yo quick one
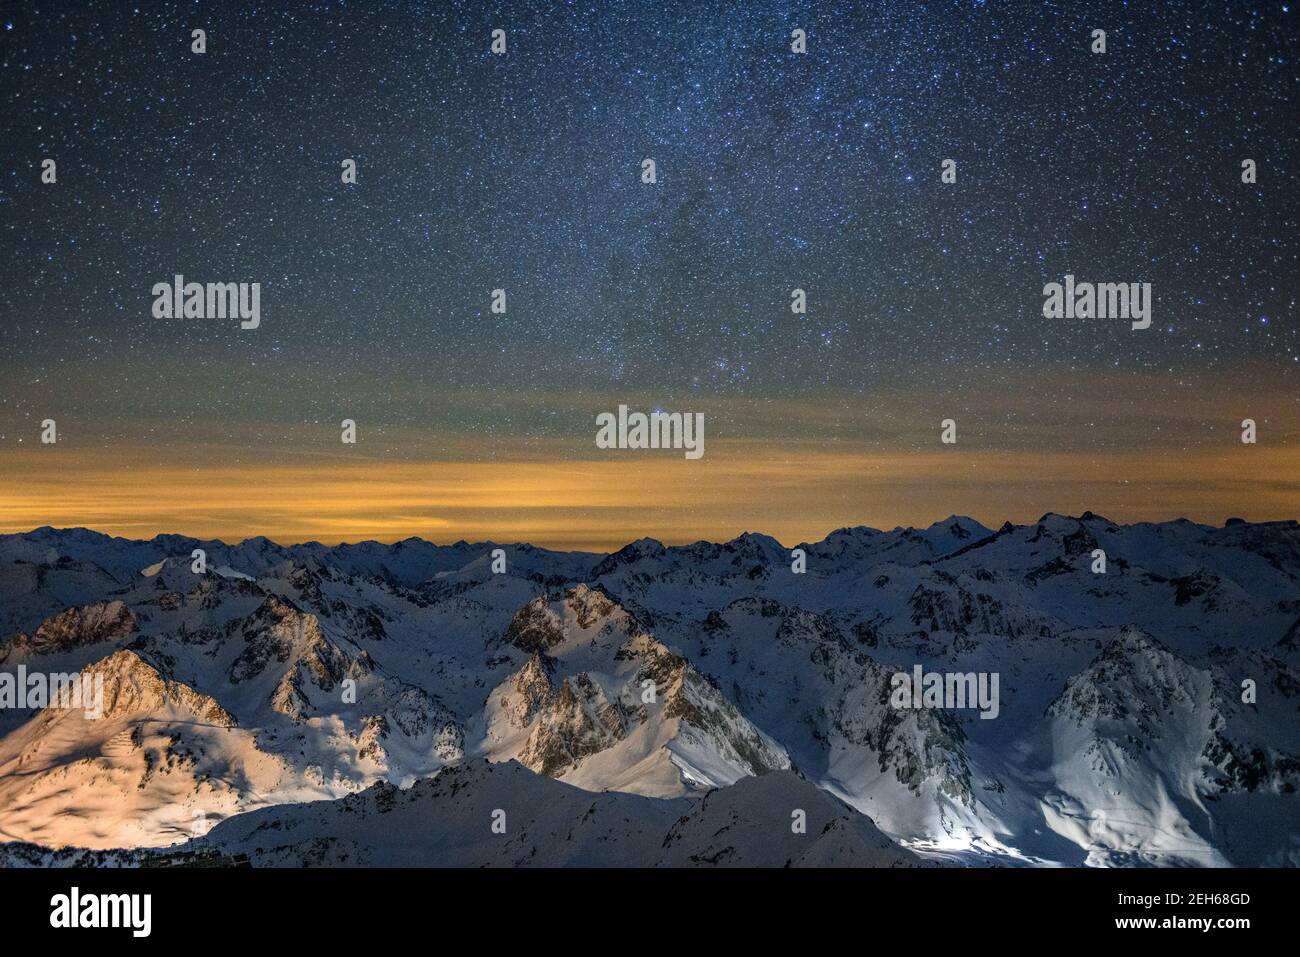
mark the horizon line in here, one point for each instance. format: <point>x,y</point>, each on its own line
<point>1084,516</point>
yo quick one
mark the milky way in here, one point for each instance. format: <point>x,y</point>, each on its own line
<point>521,171</point>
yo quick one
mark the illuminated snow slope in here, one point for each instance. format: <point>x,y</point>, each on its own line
<point>309,673</point>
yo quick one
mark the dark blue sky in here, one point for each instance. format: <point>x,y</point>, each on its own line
<point>521,171</point>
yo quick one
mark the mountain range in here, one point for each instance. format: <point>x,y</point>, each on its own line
<point>703,704</point>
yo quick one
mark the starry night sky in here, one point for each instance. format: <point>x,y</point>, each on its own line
<point>522,171</point>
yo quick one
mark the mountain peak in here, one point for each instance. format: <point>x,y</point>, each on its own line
<point>757,541</point>
<point>960,527</point>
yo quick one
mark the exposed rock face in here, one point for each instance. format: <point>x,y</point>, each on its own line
<point>269,635</point>
<point>132,685</point>
<point>915,746</point>
<point>632,681</point>
<point>416,715</point>
<point>374,731</point>
<point>578,721</point>
<point>1239,762</point>
<point>691,698</point>
<point>280,633</point>
<point>589,605</point>
<point>76,628</point>
<point>946,605</point>
<point>1250,768</point>
<point>535,628</point>
<point>703,708</point>
<point>1134,679</point>
<point>532,691</point>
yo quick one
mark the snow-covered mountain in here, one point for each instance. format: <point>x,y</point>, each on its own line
<point>1149,714</point>
<point>479,814</point>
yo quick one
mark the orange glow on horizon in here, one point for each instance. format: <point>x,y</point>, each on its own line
<point>602,503</point>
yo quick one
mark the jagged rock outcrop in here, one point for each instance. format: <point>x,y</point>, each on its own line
<point>132,685</point>
<point>75,628</point>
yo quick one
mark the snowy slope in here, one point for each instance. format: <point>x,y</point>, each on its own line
<point>1123,733</point>
<point>484,815</point>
